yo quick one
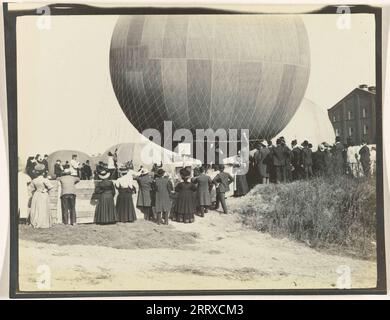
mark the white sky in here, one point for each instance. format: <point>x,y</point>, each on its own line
<point>65,96</point>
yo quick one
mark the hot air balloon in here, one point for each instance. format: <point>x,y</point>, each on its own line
<point>210,71</point>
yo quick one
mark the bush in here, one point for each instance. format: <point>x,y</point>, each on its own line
<point>335,213</point>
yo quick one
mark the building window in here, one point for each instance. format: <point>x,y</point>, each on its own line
<point>350,131</point>
<point>337,132</point>
<point>349,115</point>
<point>365,129</point>
<point>364,112</point>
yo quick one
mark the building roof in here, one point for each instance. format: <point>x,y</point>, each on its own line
<point>360,90</point>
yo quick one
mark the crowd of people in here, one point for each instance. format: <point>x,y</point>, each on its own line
<point>163,197</point>
<point>279,163</point>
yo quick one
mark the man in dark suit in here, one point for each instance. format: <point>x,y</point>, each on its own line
<point>270,162</point>
<point>338,157</point>
<point>296,160</point>
<point>288,156</point>
<point>307,159</point>
<point>145,194</point>
<point>364,153</point>
<point>68,197</point>
<point>260,160</point>
<point>45,162</point>
<point>279,161</point>
<point>58,169</point>
<point>222,181</point>
<point>87,170</point>
<point>204,185</point>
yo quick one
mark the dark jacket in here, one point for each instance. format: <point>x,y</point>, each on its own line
<point>364,153</point>
<point>260,159</point>
<point>337,154</point>
<point>288,154</point>
<point>87,171</point>
<point>104,187</point>
<point>57,170</point>
<point>222,180</point>
<point>319,161</point>
<point>163,188</point>
<point>307,159</point>
<point>279,155</point>
<point>46,164</point>
<point>296,157</point>
<point>145,190</point>
<point>204,185</point>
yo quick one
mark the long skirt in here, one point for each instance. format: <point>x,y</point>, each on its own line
<point>241,186</point>
<point>185,208</point>
<point>125,207</point>
<point>183,217</point>
<point>105,211</point>
<point>40,210</point>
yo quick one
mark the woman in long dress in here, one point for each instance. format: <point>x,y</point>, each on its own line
<point>145,193</point>
<point>185,206</point>
<point>240,169</point>
<point>40,216</point>
<point>24,182</point>
<point>124,202</point>
<point>163,187</point>
<point>105,212</point>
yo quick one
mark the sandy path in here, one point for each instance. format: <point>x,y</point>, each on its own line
<point>226,255</point>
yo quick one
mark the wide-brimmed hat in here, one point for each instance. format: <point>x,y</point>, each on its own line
<point>160,172</point>
<point>143,171</point>
<point>123,169</point>
<point>104,174</point>
<point>39,167</point>
<point>184,173</point>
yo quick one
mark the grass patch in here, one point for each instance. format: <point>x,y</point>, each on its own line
<point>337,214</point>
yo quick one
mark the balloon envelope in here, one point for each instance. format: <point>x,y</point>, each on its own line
<point>210,71</point>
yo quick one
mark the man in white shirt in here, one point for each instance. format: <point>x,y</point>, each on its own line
<point>74,166</point>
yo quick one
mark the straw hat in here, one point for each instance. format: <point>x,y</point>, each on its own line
<point>123,169</point>
<point>104,174</point>
<point>39,167</point>
<point>143,171</point>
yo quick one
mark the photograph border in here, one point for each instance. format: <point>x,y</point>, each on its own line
<point>10,20</point>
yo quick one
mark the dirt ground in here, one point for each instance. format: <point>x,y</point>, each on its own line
<point>215,252</point>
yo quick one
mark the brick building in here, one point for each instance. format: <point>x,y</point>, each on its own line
<point>354,116</point>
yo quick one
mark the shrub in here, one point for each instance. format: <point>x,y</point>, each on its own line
<point>337,212</point>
